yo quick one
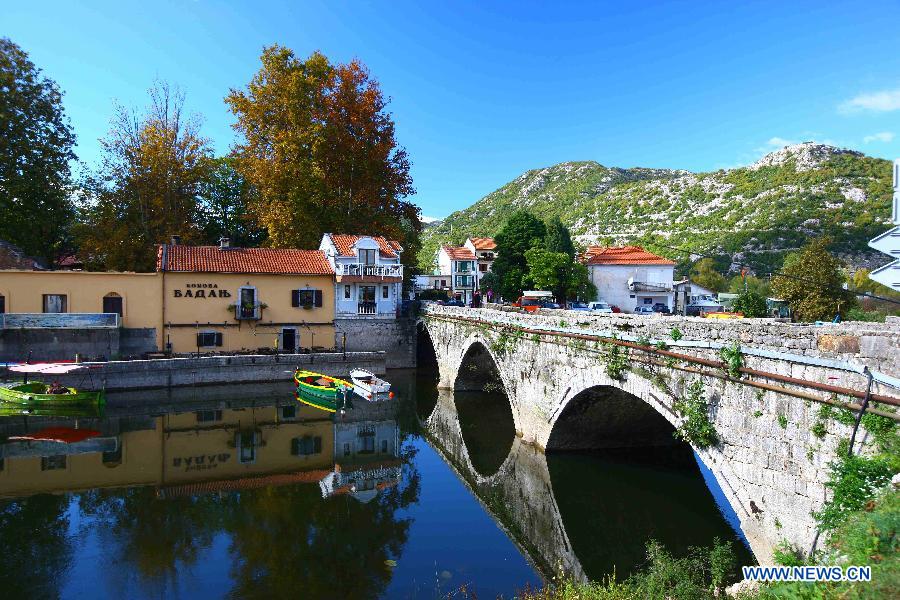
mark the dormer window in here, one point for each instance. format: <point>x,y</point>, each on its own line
<point>367,257</point>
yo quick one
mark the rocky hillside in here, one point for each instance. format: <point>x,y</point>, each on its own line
<point>752,214</point>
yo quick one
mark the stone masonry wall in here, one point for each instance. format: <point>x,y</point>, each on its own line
<point>396,337</point>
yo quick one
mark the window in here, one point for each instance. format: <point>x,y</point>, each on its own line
<point>113,458</point>
<point>209,339</point>
<point>56,303</point>
<point>208,416</point>
<point>307,298</point>
<point>289,412</point>
<point>384,446</point>
<point>648,300</point>
<point>367,257</point>
<point>385,291</point>
<point>443,283</point>
<point>112,303</point>
<point>483,267</point>
<point>2,304</point>
<point>246,444</point>
<point>306,445</point>
<point>346,448</point>
<point>366,437</point>
<point>53,463</point>
<point>463,281</point>
<point>347,292</point>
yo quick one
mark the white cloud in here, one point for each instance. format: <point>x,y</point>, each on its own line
<point>883,101</point>
<point>883,136</point>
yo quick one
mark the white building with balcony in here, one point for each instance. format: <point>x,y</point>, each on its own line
<point>456,265</point>
<point>368,275</point>
<point>485,251</point>
<point>629,276</point>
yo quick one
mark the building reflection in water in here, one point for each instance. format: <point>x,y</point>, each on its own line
<point>155,492</point>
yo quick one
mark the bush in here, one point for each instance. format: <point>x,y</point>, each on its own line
<point>433,294</point>
<point>751,304</point>
<point>697,428</point>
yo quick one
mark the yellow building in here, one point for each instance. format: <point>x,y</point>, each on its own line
<point>202,298</point>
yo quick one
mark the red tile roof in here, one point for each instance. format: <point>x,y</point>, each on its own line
<point>212,259</point>
<point>485,243</point>
<point>623,255</point>
<point>459,253</point>
<point>344,244</point>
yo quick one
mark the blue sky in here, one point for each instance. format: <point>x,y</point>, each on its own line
<point>482,91</point>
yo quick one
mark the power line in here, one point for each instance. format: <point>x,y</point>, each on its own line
<point>779,273</point>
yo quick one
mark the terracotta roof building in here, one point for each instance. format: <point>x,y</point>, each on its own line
<point>458,252</point>
<point>622,255</point>
<point>218,259</point>
<point>344,242</point>
<point>483,243</point>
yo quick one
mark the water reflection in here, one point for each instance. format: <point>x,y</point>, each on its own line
<point>300,498</point>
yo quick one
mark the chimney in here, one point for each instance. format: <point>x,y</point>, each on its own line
<point>176,239</point>
<point>224,243</point>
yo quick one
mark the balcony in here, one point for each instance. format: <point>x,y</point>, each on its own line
<point>366,308</point>
<point>648,286</point>
<point>369,271</point>
<point>248,311</point>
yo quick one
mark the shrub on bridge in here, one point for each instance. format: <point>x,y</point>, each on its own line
<point>696,429</point>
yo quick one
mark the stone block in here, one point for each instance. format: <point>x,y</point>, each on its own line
<point>841,344</point>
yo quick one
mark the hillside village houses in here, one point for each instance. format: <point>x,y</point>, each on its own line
<point>485,250</point>
<point>456,265</point>
<point>629,276</point>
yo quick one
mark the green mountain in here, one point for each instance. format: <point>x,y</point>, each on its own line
<point>751,215</point>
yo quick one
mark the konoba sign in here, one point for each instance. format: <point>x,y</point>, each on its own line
<point>201,290</point>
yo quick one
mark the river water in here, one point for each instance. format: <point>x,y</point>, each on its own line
<point>240,491</point>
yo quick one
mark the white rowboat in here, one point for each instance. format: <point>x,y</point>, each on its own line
<point>369,386</point>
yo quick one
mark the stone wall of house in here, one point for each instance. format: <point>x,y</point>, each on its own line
<point>396,337</point>
<point>64,343</point>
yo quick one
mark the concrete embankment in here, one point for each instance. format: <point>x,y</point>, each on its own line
<point>214,370</point>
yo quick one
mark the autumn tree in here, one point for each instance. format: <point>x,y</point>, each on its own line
<point>36,143</point>
<point>812,283</point>
<point>320,152</point>
<point>521,232</point>
<point>154,167</point>
<point>222,210</point>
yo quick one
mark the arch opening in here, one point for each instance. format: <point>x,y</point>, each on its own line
<point>484,411</point>
<point>426,374</point>
<point>620,479</point>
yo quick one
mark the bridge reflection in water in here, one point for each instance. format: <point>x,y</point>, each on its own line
<point>589,513</point>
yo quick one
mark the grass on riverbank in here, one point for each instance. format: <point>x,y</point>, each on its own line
<point>870,536</point>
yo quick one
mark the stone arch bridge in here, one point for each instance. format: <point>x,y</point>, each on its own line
<point>555,368</point>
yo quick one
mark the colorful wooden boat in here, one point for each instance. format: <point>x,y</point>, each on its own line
<point>37,393</point>
<point>322,391</point>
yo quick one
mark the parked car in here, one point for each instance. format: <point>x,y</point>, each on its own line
<point>455,302</point>
<point>578,306</point>
<point>644,309</point>
<point>600,307</point>
<point>701,306</point>
<point>550,305</point>
<point>661,308</point>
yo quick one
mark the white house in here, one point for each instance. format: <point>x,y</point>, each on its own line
<point>688,292</point>
<point>368,275</point>
<point>456,264</point>
<point>485,251</point>
<point>366,457</point>
<point>629,276</point>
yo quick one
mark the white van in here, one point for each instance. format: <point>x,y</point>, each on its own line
<point>599,307</point>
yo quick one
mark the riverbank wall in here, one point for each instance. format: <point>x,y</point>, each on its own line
<point>213,370</point>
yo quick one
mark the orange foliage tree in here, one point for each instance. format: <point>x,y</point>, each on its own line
<point>320,152</point>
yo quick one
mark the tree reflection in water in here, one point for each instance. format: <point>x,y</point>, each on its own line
<point>35,546</point>
<point>283,541</point>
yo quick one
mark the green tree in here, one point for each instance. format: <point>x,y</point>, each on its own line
<point>559,273</point>
<point>704,273</point>
<point>812,283</point>
<point>489,281</point>
<point>751,304</point>
<point>36,143</point>
<point>319,150</point>
<point>558,238</point>
<point>755,284</point>
<point>521,232</point>
<point>154,167</point>
<point>223,206</point>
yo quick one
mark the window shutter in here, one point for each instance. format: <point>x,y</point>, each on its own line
<point>199,339</point>
<point>295,298</point>
<point>317,445</point>
<point>295,446</point>
<point>218,338</point>
<point>318,297</point>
